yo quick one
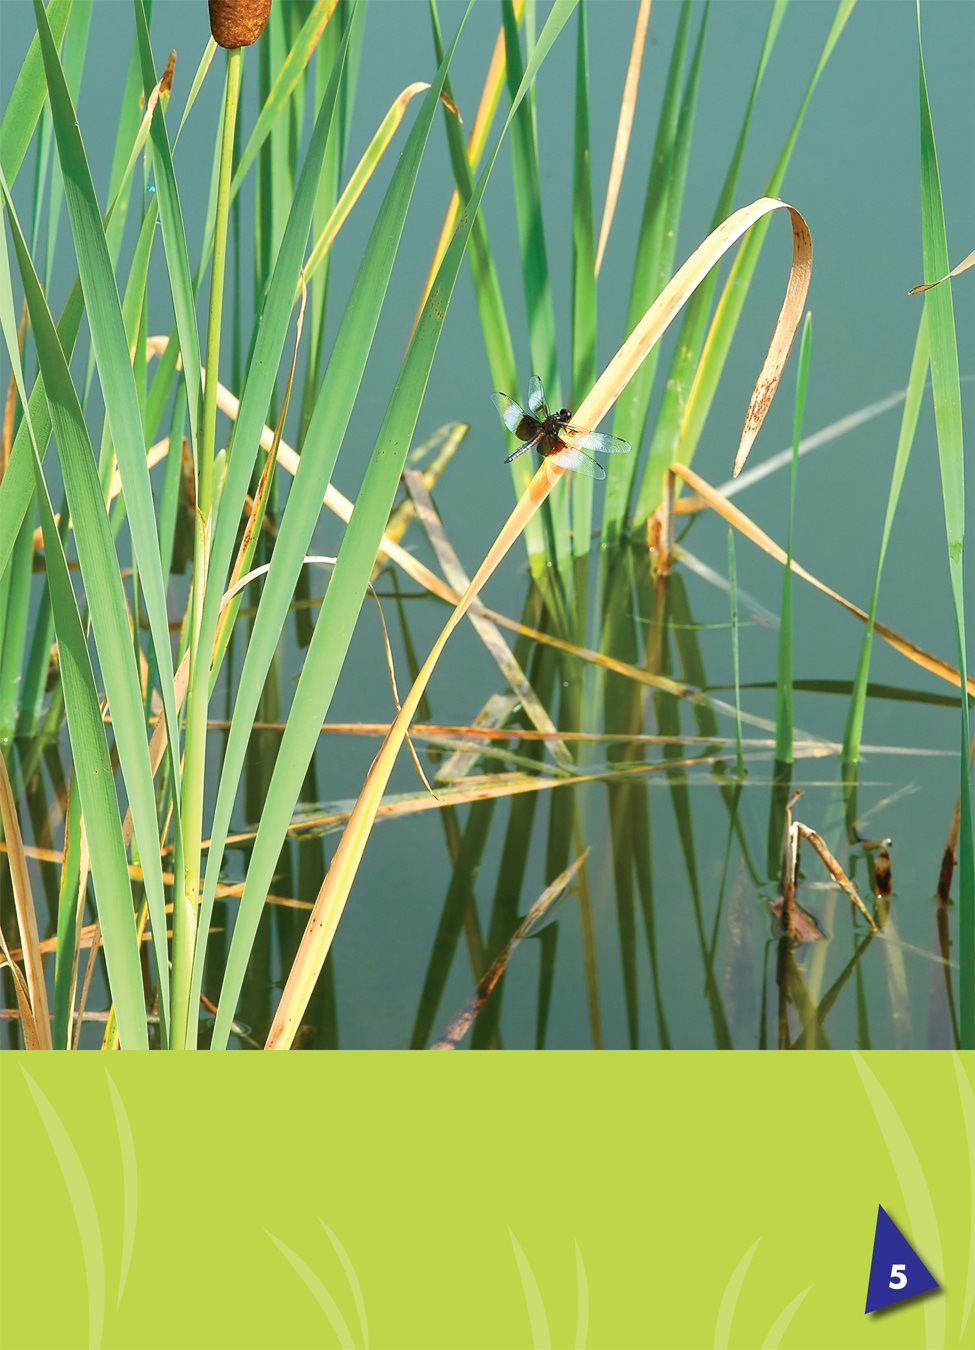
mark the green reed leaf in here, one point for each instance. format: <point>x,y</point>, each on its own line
<point>853,734</point>
<point>725,322</point>
<point>687,350</point>
<point>784,675</point>
<point>27,96</point>
<point>86,729</point>
<point>584,304</point>
<point>103,589</point>
<point>946,397</point>
<point>104,315</point>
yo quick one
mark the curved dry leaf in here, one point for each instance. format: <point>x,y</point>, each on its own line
<point>963,266</point>
<point>678,291</point>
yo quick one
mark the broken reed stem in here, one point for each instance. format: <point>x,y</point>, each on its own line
<point>949,857</point>
<point>836,871</point>
<point>790,870</point>
<point>462,1023</point>
<point>666,554</point>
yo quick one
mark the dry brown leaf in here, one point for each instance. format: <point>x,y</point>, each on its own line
<point>480,788</point>
<point>32,1040</point>
<point>461,1024</point>
<point>818,843</point>
<point>24,907</point>
<point>963,266</point>
<point>485,628</point>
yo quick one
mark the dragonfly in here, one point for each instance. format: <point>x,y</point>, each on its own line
<point>553,435</point>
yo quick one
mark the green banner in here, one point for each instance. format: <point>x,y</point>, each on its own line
<point>518,1200</point>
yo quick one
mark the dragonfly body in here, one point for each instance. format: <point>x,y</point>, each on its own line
<point>552,435</point>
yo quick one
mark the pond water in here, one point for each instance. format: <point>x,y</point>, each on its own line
<point>666,939</point>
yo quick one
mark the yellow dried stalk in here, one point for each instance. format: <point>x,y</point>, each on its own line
<point>26,917</point>
<point>481,788</point>
<point>624,127</point>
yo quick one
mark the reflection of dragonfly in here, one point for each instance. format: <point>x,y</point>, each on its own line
<point>552,434</point>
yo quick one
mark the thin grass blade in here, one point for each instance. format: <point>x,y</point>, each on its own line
<point>946,396</point>
<point>584,267</point>
<point>784,676</point>
<point>285,85</point>
<point>933,664</point>
<point>853,733</point>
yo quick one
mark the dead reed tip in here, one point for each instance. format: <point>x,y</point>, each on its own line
<point>238,23</point>
<point>166,83</point>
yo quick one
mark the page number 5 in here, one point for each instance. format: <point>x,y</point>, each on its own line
<point>898,1279</point>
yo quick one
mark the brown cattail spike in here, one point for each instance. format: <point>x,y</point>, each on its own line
<point>238,23</point>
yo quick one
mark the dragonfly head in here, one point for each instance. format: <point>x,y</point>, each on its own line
<point>565,414</point>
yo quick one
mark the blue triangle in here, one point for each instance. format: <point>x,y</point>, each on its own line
<point>896,1270</point>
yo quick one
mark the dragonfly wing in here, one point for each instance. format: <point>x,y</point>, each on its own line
<point>513,415</point>
<point>536,399</point>
<point>511,412</point>
<point>597,441</point>
<point>569,457</point>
